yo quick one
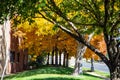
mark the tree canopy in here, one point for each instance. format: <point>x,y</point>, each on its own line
<point>76,18</point>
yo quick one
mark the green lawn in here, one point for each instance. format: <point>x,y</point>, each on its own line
<point>51,73</point>
<point>103,74</point>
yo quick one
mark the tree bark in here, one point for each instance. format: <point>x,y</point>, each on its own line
<point>59,58</point>
<point>80,51</point>
<point>67,55</point>
<point>78,64</point>
<point>114,58</point>
<point>2,52</point>
<point>6,45</point>
<point>56,56</point>
<point>53,57</point>
<point>115,73</point>
<point>48,59</point>
<point>64,58</point>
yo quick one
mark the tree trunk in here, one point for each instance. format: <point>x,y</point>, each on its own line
<point>48,59</point>
<point>53,57</point>
<point>59,58</point>
<point>80,51</point>
<point>2,54</point>
<point>67,59</point>
<point>64,60</point>
<point>114,56</point>
<point>115,68</point>
<point>115,74</point>
<point>56,56</point>
<point>77,69</point>
<point>6,45</point>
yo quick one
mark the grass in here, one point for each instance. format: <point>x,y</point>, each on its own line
<point>103,74</point>
<point>50,73</point>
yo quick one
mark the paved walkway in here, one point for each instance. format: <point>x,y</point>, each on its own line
<point>94,74</point>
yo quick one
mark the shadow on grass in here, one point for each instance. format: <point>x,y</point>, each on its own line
<point>57,78</point>
<point>43,70</point>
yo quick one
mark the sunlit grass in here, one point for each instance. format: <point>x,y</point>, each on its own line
<point>103,74</point>
<point>51,73</point>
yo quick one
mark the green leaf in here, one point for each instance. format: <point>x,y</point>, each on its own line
<point>55,27</point>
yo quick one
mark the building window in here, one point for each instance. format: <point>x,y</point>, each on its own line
<point>18,57</point>
<point>12,56</point>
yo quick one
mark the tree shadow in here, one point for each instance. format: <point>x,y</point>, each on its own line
<point>56,78</point>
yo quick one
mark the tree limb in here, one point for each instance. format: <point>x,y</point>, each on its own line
<point>80,39</point>
<point>115,25</point>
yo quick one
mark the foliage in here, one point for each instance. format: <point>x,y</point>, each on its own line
<point>33,34</point>
<point>76,18</point>
<point>13,8</point>
<point>64,42</point>
<point>40,36</point>
<point>45,40</point>
<point>35,61</point>
<point>88,16</point>
<point>97,41</point>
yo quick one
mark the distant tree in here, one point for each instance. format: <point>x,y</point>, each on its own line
<point>99,42</point>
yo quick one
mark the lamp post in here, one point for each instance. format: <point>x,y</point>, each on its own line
<point>92,65</point>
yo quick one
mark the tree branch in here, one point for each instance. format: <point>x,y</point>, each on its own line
<point>92,11</point>
<point>106,6</point>
<point>46,17</point>
<point>115,25</point>
<point>77,37</point>
<point>83,41</point>
<point>82,24</point>
<point>112,7</point>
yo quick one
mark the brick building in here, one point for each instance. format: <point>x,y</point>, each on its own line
<point>18,57</point>
<point>9,45</point>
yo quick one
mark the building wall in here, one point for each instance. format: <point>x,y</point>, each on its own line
<point>18,58</point>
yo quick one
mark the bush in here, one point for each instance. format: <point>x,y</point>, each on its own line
<point>37,61</point>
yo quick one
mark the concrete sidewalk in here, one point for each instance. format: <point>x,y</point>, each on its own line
<point>96,75</point>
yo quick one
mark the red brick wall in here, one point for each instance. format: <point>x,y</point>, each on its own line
<point>17,65</point>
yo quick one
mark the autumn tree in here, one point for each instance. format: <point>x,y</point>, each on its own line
<point>76,16</point>
<point>35,36</point>
<point>65,44</point>
<point>38,37</point>
<point>97,41</point>
<point>55,42</point>
<point>8,10</point>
